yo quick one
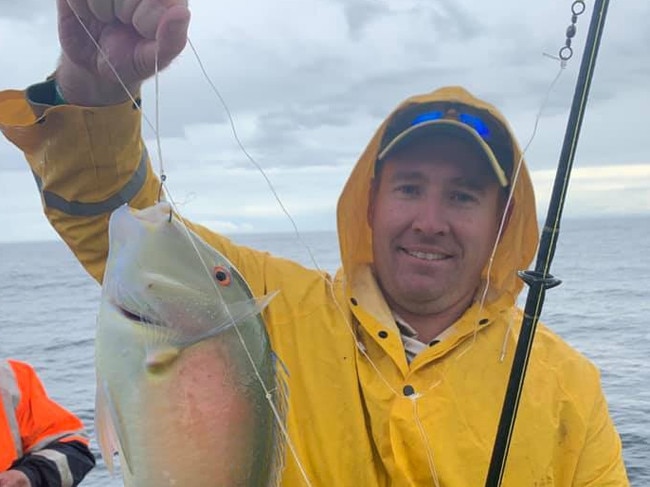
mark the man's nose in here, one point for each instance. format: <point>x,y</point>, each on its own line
<point>431,217</point>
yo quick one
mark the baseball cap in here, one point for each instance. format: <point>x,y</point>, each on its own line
<point>475,126</point>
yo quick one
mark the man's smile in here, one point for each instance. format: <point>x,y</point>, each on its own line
<point>423,255</point>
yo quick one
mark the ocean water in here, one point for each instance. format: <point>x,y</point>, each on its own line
<point>48,307</point>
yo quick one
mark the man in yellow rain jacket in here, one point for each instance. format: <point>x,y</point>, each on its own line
<point>398,365</point>
<point>41,443</point>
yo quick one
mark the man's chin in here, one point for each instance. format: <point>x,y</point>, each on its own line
<point>419,301</point>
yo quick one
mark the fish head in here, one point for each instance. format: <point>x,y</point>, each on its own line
<point>169,283</point>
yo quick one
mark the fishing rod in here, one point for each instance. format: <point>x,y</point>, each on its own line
<point>540,279</point>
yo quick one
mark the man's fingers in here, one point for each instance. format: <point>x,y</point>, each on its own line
<point>172,34</point>
<point>124,9</point>
<point>68,8</point>
<point>147,17</point>
<point>102,9</point>
<point>171,38</point>
<point>132,33</point>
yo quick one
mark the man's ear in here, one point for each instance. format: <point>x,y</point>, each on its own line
<point>372,194</point>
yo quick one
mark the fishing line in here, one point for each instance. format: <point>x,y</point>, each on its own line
<point>359,345</point>
<point>312,257</point>
<point>101,52</point>
<point>425,440</point>
<point>540,280</point>
<point>250,158</point>
<point>563,58</point>
<point>136,103</point>
<point>486,287</point>
<point>155,128</point>
<point>268,394</point>
<point>582,107</point>
<point>504,217</point>
<point>565,53</point>
<point>163,175</point>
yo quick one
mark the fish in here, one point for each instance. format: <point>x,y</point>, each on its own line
<point>189,392</point>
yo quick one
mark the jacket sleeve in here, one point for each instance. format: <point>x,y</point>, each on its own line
<point>56,449</point>
<point>86,162</point>
<point>601,461</point>
<point>60,464</point>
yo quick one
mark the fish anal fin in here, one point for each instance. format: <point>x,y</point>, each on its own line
<point>107,423</point>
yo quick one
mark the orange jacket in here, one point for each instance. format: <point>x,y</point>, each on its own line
<point>29,419</point>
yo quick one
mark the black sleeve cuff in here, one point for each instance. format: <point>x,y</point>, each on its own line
<point>43,472</point>
<point>43,93</point>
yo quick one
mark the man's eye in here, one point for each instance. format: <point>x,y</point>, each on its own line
<point>463,197</point>
<point>408,189</point>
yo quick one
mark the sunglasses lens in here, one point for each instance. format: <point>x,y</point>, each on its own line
<point>471,120</point>
<point>427,117</point>
<point>476,123</point>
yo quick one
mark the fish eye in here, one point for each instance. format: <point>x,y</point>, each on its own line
<point>222,275</point>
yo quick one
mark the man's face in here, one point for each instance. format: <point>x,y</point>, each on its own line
<point>434,213</point>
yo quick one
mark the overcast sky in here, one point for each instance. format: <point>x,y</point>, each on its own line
<point>308,82</point>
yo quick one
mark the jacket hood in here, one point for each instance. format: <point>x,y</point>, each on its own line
<point>518,243</point>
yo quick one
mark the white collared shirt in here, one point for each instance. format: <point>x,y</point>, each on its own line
<point>412,344</point>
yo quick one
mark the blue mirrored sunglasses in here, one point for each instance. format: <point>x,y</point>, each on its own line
<point>473,121</point>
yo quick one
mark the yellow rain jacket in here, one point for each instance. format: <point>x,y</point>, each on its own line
<point>360,414</point>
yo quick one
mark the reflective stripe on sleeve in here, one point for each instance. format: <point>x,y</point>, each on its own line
<point>78,435</point>
<point>61,463</point>
<point>77,208</point>
<point>10,397</point>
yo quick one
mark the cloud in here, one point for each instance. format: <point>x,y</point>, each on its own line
<point>307,83</point>
<point>604,190</point>
<point>360,14</point>
<point>26,9</point>
<point>239,200</point>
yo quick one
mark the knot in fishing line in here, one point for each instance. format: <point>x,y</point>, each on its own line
<point>577,8</point>
<point>163,178</point>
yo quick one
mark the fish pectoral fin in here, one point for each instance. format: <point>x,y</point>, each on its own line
<point>263,302</point>
<point>237,312</point>
<point>159,358</point>
<point>242,310</point>
<point>107,429</point>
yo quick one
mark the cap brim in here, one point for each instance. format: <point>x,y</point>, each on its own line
<point>455,128</point>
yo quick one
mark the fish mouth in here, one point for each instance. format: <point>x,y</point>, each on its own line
<point>131,316</point>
